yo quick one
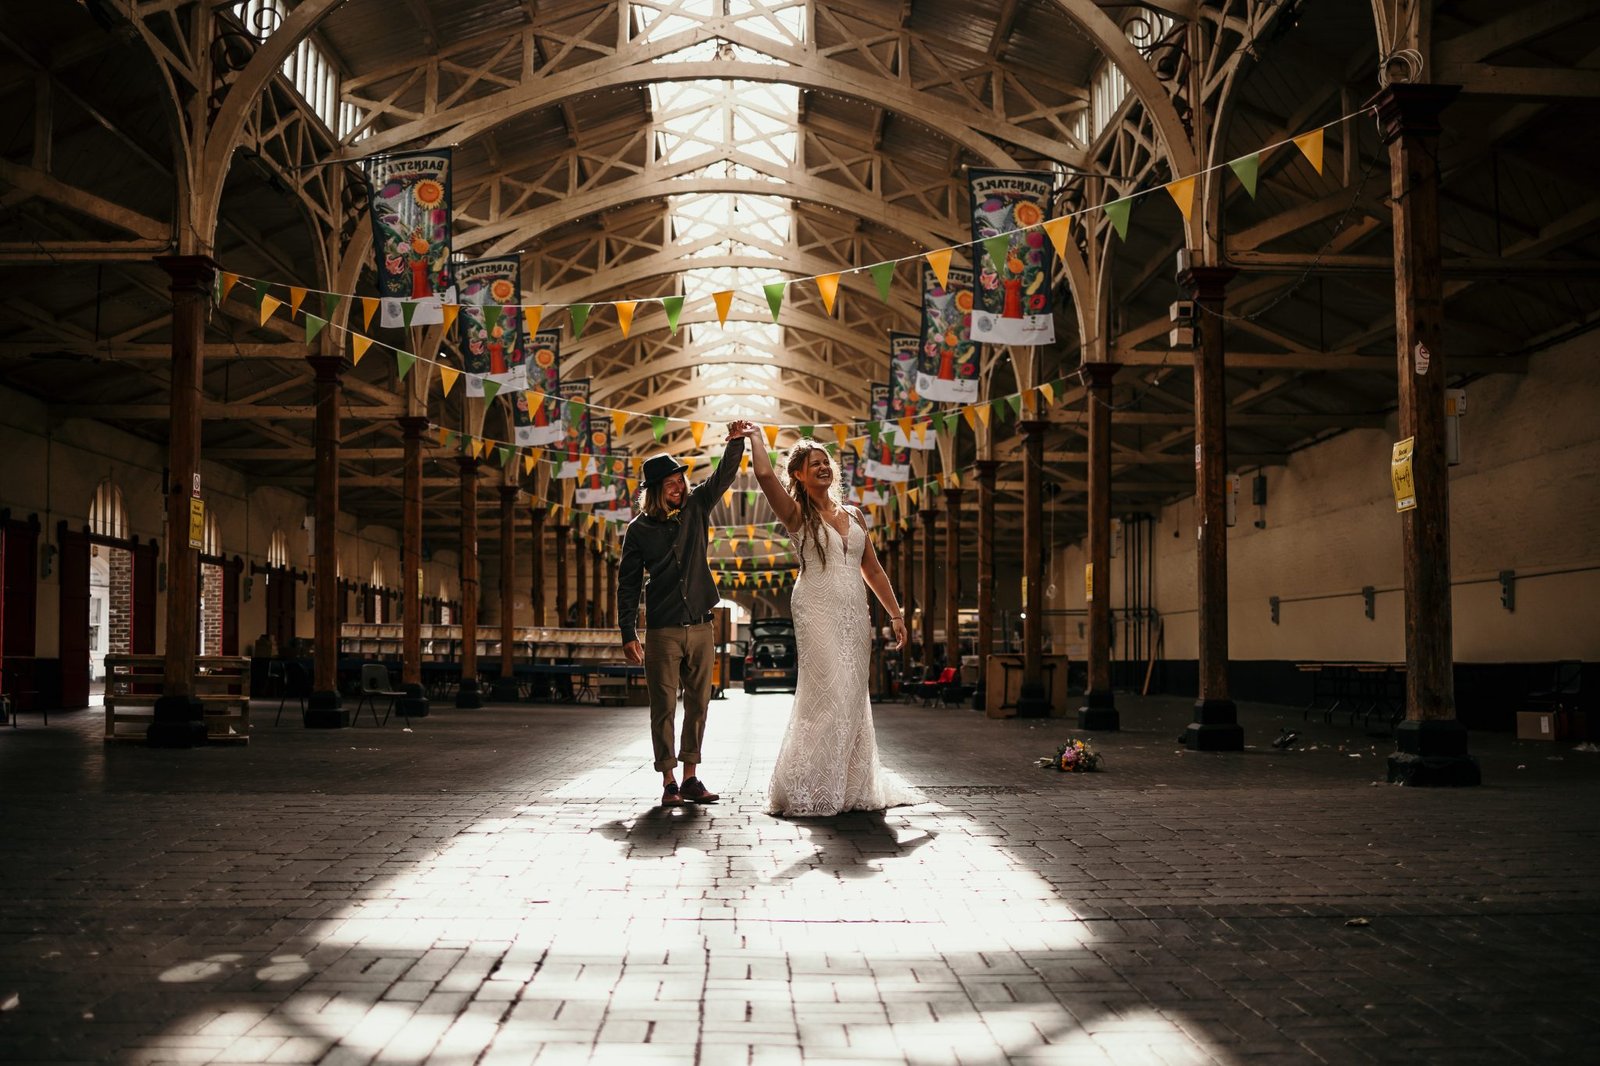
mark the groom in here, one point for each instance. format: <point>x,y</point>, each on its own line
<point>667,541</point>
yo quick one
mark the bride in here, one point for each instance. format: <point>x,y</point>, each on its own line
<point>828,762</point>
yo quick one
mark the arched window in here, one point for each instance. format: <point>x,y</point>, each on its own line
<point>108,515</point>
<point>278,549</point>
<point>377,573</point>
<point>213,537</point>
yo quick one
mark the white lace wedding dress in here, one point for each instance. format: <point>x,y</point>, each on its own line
<point>828,762</point>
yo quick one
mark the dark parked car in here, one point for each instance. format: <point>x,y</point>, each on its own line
<point>771,661</point>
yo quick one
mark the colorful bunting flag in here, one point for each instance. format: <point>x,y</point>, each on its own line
<point>269,304</point>
<point>580,315</point>
<point>883,277</point>
<point>358,347</point>
<point>330,304</point>
<point>774,291</point>
<point>697,430</point>
<point>658,426</point>
<point>618,420</point>
<point>297,296</point>
<point>1056,229</point>
<point>939,259</point>
<point>491,389</point>
<point>999,249</point>
<point>723,300</point>
<point>450,311</point>
<point>313,327</point>
<point>447,377</point>
<point>369,307</point>
<point>1117,211</point>
<point>403,361</point>
<point>828,286</point>
<point>1182,193</point>
<point>673,306</point>
<point>1310,145</point>
<point>625,316</point>
<point>228,282</point>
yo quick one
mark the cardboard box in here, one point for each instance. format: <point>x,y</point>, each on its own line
<point>1536,725</point>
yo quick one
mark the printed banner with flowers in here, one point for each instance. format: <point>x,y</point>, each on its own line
<point>489,326</point>
<point>409,200</point>
<point>574,426</point>
<point>1012,296</point>
<point>947,369</point>
<point>595,488</point>
<point>538,411</point>
<point>885,462</point>
<point>620,507</point>
<point>905,402</point>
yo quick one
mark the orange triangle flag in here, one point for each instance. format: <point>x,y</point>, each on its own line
<point>228,282</point>
<point>1048,391</point>
<point>369,307</point>
<point>444,435</point>
<point>618,420</point>
<point>450,313</point>
<point>1311,145</point>
<point>1056,230</point>
<point>689,461</point>
<point>1030,401</point>
<point>447,377</point>
<point>983,413</point>
<point>697,430</point>
<point>528,462</point>
<point>971,415</point>
<point>939,259</point>
<point>828,286</point>
<point>1182,193</point>
<point>625,316</point>
<point>840,430</point>
<point>724,300</point>
<point>905,430</point>
<point>296,298</point>
<point>269,304</point>
<point>531,316</point>
<point>772,435</point>
<point>358,347</point>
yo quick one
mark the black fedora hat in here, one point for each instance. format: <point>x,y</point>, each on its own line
<point>658,468</point>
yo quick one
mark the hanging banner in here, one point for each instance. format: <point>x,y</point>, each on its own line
<point>574,426</point>
<point>947,368</point>
<point>885,462</point>
<point>409,197</point>
<point>620,508</point>
<point>904,400</point>
<point>489,327</point>
<point>594,488</point>
<point>1012,295</point>
<point>538,411</point>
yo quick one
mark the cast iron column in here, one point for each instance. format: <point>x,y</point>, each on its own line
<point>1034,699</point>
<point>952,580</point>
<point>1099,710</point>
<point>536,566</point>
<point>581,585</point>
<point>929,597</point>
<point>468,696</point>
<point>505,686</point>
<point>908,551</point>
<point>1216,720</point>
<point>414,704</point>
<point>1431,745</point>
<point>561,574</point>
<point>324,708</point>
<point>986,473</point>
<point>597,612</point>
<point>611,590</point>
<point>179,718</point>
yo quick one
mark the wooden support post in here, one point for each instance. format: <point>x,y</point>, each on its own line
<point>611,590</point>
<point>561,574</point>
<point>987,468</point>
<point>1099,710</point>
<point>908,560</point>
<point>1034,698</point>
<point>1431,744</point>
<point>581,585</point>
<point>927,633</point>
<point>1216,719</point>
<point>597,609</point>
<point>952,579</point>
<point>467,695</point>
<point>505,686</point>
<point>891,567</point>
<point>324,707</point>
<point>178,720</point>
<point>536,565</point>
<point>415,700</point>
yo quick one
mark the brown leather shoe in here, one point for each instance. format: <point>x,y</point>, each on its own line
<point>670,796</point>
<point>695,792</point>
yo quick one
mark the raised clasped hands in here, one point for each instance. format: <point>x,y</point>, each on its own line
<point>740,428</point>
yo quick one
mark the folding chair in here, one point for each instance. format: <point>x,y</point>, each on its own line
<point>296,685</point>
<point>375,685</point>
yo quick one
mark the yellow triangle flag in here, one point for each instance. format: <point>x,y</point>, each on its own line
<point>905,429</point>
<point>444,435</point>
<point>531,315</point>
<point>724,300</point>
<point>625,315</point>
<point>697,430</point>
<point>750,531</point>
<point>296,298</point>
<point>1182,193</point>
<point>447,378</point>
<point>1030,401</point>
<point>922,431</point>
<point>228,282</point>
<point>369,307</point>
<point>1056,229</point>
<point>633,486</point>
<point>912,494</point>
<point>536,454</point>
<point>744,463</point>
<point>772,435</point>
<point>955,478</point>
<point>939,259</point>
<point>689,461</point>
<point>840,430</point>
<point>983,413</point>
<point>727,497</point>
<point>971,415</point>
<point>618,420</point>
<point>450,313</point>
<point>1311,145</point>
<point>269,304</point>
<point>1048,391</point>
<point>828,286</point>
<point>358,347</point>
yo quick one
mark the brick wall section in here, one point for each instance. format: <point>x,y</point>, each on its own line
<point>211,619</point>
<point>121,599</point>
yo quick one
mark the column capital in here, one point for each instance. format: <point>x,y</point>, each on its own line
<point>987,469</point>
<point>1033,427</point>
<point>328,367</point>
<point>508,493</point>
<point>1406,108</point>
<point>952,497</point>
<point>1206,283</point>
<point>536,513</point>
<point>195,272</point>
<point>1098,375</point>
<point>411,425</point>
<point>468,464</point>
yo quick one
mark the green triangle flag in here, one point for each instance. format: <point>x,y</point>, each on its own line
<point>673,306</point>
<point>999,249</point>
<point>605,480</point>
<point>1015,402</point>
<point>1246,168</point>
<point>407,309</point>
<point>658,425</point>
<point>450,437</point>
<point>805,431</point>
<point>491,389</point>
<point>873,429</point>
<point>774,291</point>
<point>504,454</point>
<point>330,303</point>
<point>1117,211</point>
<point>491,316</point>
<point>580,315</point>
<point>833,448</point>
<point>313,326</point>
<point>772,457</point>
<point>261,288</point>
<point>716,461</point>
<point>749,497</point>
<point>403,362</point>
<point>883,276</point>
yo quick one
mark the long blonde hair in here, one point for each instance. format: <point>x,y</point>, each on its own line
<point>810,516</point>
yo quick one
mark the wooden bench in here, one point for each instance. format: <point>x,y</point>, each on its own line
<point>221,684</point>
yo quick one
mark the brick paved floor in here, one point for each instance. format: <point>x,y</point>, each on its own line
<point>494,886</point>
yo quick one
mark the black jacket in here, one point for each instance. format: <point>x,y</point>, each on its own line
<point>680,588</point>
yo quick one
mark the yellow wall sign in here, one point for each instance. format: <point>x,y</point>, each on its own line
<point>1088,582</point>
<point>1405,490</point>
<point>197,523</point>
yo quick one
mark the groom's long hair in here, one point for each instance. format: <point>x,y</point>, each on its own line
<point>810,517</point>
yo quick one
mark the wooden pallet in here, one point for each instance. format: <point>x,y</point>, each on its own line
<point>221,684</point>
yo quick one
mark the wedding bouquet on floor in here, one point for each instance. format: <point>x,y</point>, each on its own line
<point>1074,757</point>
